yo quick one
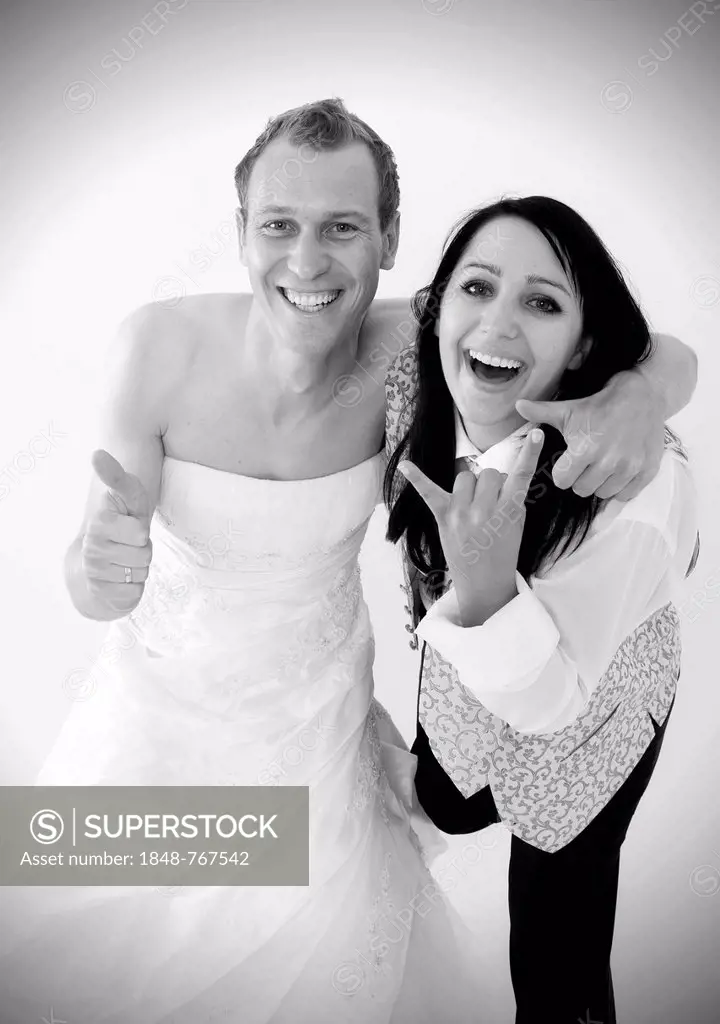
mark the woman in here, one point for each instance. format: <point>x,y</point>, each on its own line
<point>551,647</point>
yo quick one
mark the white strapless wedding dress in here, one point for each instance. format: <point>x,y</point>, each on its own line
<point>248,662</point>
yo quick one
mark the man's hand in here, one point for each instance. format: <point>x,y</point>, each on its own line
<point>615,439</point>
<point>117,537</point>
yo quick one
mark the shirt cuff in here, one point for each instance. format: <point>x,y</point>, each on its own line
<point>503,655</point>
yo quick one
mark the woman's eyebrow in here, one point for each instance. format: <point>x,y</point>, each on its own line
<point>492,268</point>
<point>534,279</point>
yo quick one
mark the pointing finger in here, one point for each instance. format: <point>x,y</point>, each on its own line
<point>520,477</point>
<point>436,499</point>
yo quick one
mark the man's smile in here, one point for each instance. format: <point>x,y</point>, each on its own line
<point>310,302</point>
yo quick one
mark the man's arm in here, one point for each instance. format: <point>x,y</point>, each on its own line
<point>672,370</point>
<point>616,438</point>
<point>130,429</point>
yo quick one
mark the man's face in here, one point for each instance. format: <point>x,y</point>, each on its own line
<point>312,242</point>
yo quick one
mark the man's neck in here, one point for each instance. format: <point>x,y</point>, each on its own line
<point>297,383</point>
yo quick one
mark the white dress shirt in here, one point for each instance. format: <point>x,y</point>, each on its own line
<point>537,660</point>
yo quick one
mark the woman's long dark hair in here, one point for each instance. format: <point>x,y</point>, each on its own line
<point>619,339</point>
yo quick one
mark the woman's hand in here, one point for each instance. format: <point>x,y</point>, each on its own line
<point>481,526</point>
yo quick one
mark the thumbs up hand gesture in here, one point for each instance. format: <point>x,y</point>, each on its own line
<point>116,548</point>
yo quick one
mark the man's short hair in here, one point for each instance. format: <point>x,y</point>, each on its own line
<point>326,124</point>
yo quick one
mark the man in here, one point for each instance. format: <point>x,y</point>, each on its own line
<point>266,385</point>
<point>288,383</point>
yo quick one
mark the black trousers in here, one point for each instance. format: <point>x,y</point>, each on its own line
<point>562,905</point>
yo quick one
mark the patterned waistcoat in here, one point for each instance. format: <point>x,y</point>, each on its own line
<point>547,786</point>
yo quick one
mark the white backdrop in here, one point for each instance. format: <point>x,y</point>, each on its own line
<point>120,128</point>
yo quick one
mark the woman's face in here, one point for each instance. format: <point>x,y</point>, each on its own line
<point>508,301</point>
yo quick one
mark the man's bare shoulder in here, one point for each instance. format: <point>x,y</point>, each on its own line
<point>389,332</point>
<point>168,338</point>
<point>181,320</point>
<point>213,307</point>
<point>391,318</point>
<point>389,312</point>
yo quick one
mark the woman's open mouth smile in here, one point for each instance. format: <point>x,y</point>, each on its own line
<point>493,371</point>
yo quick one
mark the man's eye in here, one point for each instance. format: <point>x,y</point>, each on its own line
<point>346,228</point>
<point>276,225</point>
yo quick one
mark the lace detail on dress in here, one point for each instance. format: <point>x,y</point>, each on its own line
<point>370,772</point>
<point>172,603</point>
<point>381,714</point>
<point>330,625</point>
<point>382,908</point>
